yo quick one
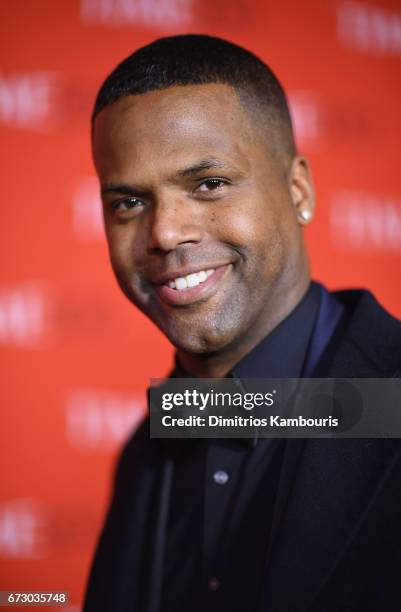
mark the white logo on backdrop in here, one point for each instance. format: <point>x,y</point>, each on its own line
<point>365,221</point>
<point>306,113</point>
<point>28,100</point>
<point>22,314</point>
<point>163,13</point>
<point>369,28</point>
<point>22,534</point>
<point>101,420</point>
<point>87,218</point>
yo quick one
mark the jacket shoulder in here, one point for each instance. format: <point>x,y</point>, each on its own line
<point>372,330</point>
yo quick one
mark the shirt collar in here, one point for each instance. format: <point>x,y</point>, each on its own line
<point>282,353</point>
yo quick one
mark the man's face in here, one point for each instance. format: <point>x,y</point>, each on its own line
<point>201,226</point>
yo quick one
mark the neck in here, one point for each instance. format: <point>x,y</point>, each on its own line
<point>218,364</point>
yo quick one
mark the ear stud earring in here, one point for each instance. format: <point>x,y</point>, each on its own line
<point>305,215</point>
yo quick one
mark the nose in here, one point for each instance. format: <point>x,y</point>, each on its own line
<point>174,223</point>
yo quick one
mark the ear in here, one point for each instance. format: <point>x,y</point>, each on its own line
<point>301,189</point>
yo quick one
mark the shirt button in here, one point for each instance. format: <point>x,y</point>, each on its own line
<point>214,584</point>
<point>220,477</point>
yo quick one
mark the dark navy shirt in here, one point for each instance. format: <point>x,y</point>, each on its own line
<point>223,491</point>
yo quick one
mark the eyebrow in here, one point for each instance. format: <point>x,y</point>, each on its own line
<point>208,163</point>
<point>123,188</point>
<point>204,164</point>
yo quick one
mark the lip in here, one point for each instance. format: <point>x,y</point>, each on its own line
<point>174,297</point>
<point>171,275</point>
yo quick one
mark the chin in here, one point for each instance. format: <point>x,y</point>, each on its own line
<point>201,341</point>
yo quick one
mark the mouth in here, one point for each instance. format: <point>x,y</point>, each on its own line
<point>193,287</point>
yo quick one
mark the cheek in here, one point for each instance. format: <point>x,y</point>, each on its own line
<point>125,252</point>
<point>257,231</point>
<point>119,247</point>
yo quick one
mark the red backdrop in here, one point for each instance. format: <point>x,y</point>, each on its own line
<point>76,356</point>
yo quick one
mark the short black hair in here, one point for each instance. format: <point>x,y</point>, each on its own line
<point>198,59</point>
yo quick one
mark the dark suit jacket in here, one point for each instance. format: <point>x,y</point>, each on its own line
<point>336,538</point>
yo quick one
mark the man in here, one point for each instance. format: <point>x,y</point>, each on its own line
<point>205,199</point>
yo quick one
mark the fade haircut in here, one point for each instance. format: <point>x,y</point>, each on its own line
<point>198,59</point>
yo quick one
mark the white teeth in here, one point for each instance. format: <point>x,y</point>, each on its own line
<point>180,283</point>
<point>191,280</point>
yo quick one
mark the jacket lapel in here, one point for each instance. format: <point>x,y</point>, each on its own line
<point>326,485</point>
<point>336,480</point>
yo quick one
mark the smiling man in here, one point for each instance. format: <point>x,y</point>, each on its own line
<point>204,200</point>
<point>203,207</point>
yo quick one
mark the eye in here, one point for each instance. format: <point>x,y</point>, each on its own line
<point>212,184</point>
<point>126,204</point>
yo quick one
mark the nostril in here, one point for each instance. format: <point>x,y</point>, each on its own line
<point>165,239</point>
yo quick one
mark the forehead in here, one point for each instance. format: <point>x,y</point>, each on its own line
<point>178,121</point>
